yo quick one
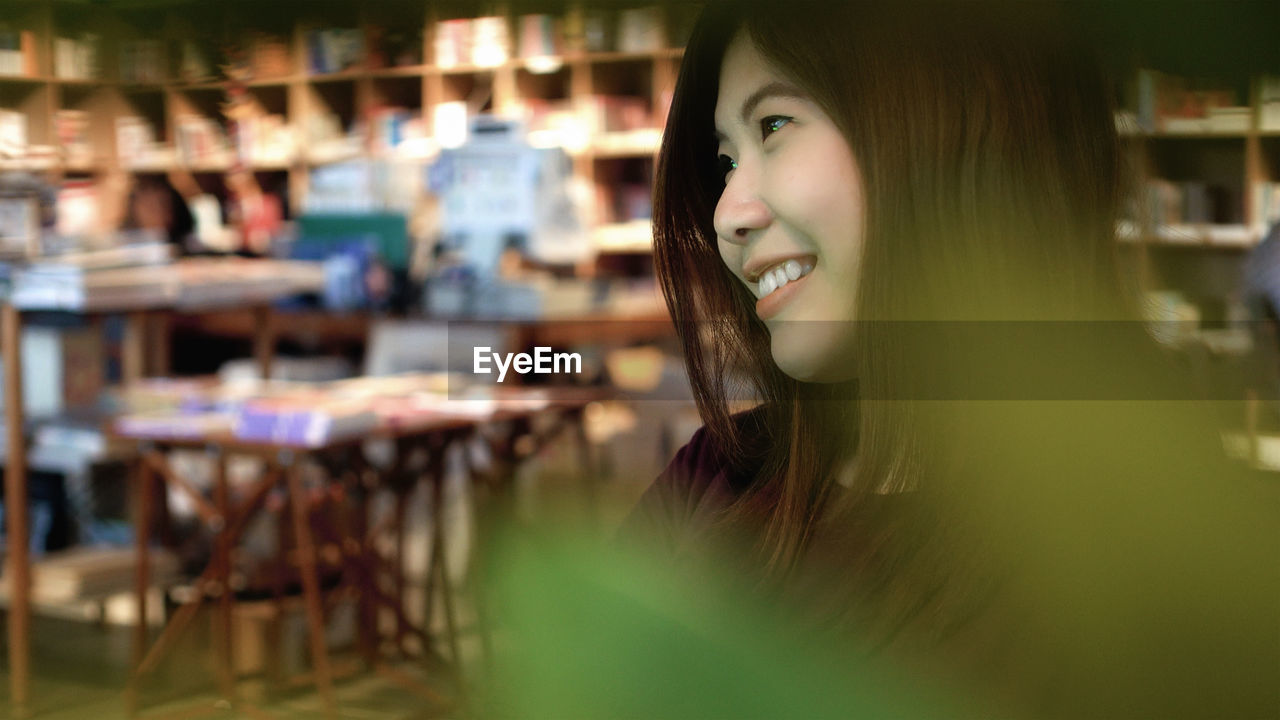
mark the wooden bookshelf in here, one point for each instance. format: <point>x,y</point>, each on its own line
<point>143,71</point>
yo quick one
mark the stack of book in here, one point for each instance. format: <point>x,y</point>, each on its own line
<point>306,417</point>
<point>141,276</point>
<point>79,280</point>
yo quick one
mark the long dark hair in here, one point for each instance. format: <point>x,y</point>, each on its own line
<point>992,179</point>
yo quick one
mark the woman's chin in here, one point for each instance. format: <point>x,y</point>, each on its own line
<point>811,352</point>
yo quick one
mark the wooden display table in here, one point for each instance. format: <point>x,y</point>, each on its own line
<point>349,542</point>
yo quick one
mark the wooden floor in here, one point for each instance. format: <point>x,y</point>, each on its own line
<point>79,672</point>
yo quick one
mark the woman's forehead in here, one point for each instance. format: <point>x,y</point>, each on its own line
<point>746,78</point>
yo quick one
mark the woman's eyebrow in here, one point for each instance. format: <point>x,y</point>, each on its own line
<point>768,90</point>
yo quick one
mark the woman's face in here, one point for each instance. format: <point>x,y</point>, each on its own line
<point>792,210</point>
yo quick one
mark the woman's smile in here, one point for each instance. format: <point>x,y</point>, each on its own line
<point>778,284</point>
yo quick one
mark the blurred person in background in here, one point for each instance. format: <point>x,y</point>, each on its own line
<point>156,207</point>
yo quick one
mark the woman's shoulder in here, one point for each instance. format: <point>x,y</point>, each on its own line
<point>701,481</point>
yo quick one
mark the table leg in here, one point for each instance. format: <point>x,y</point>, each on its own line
<point>436,475</point>
<point>133,351</point>
<point>310,586</point>
<point>264,339</point>
<point>221,619</point>
<point>402,625</point>
<point>142,537</point>
<point>590,491</point>
<point>19,568</point>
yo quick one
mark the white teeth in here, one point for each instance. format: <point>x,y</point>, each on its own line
<point>792,268</point>
<point>789,271</point>
<point>767,284</point>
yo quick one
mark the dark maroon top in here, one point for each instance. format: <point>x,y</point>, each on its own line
<point>1125,627</point>
<point>683,505</point>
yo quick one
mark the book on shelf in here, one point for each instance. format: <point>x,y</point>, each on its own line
<point>452,43</point>
<point>266,139</point>
<point>1266,206</point>
<point>72,130</point>
<point>1269,103</point>
<point>76,58</point>
<point>490,44</point>
<point>1194,203</point>
<point>391,126</point>
<point>201,141</point>
<point>142,61</point>
<point>20,220</point>
<point>539,37</point>
<point>17,52</point>
<point>77,213</point>
<point>393,46</point>
<point>134,136</point>
<point>13,133</point>
<point>1172,104</point>
<point>640,30</point>
<point>597,30</point>
<point>268,56</point>
<point>483,42</point>
<point>614,113</point>
<point>194,63</point>
<point>335,49</point>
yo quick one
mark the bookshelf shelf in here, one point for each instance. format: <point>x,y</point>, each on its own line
<point>274,82</point>
<point>466,69</point>
<point>623,57</point>
<point>341,76</point>
<point>409,71</point>
<point>1202,135</point>
<point>77,82</point>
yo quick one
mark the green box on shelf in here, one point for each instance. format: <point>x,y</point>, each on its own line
<point>326,229</point>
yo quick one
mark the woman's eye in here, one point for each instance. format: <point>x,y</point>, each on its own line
<point>772,124</point>
<point>726,165</point>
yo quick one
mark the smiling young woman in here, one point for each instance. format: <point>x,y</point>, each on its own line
<point>896,223</point>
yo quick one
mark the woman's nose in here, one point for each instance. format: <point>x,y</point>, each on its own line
<point>740,210</point>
